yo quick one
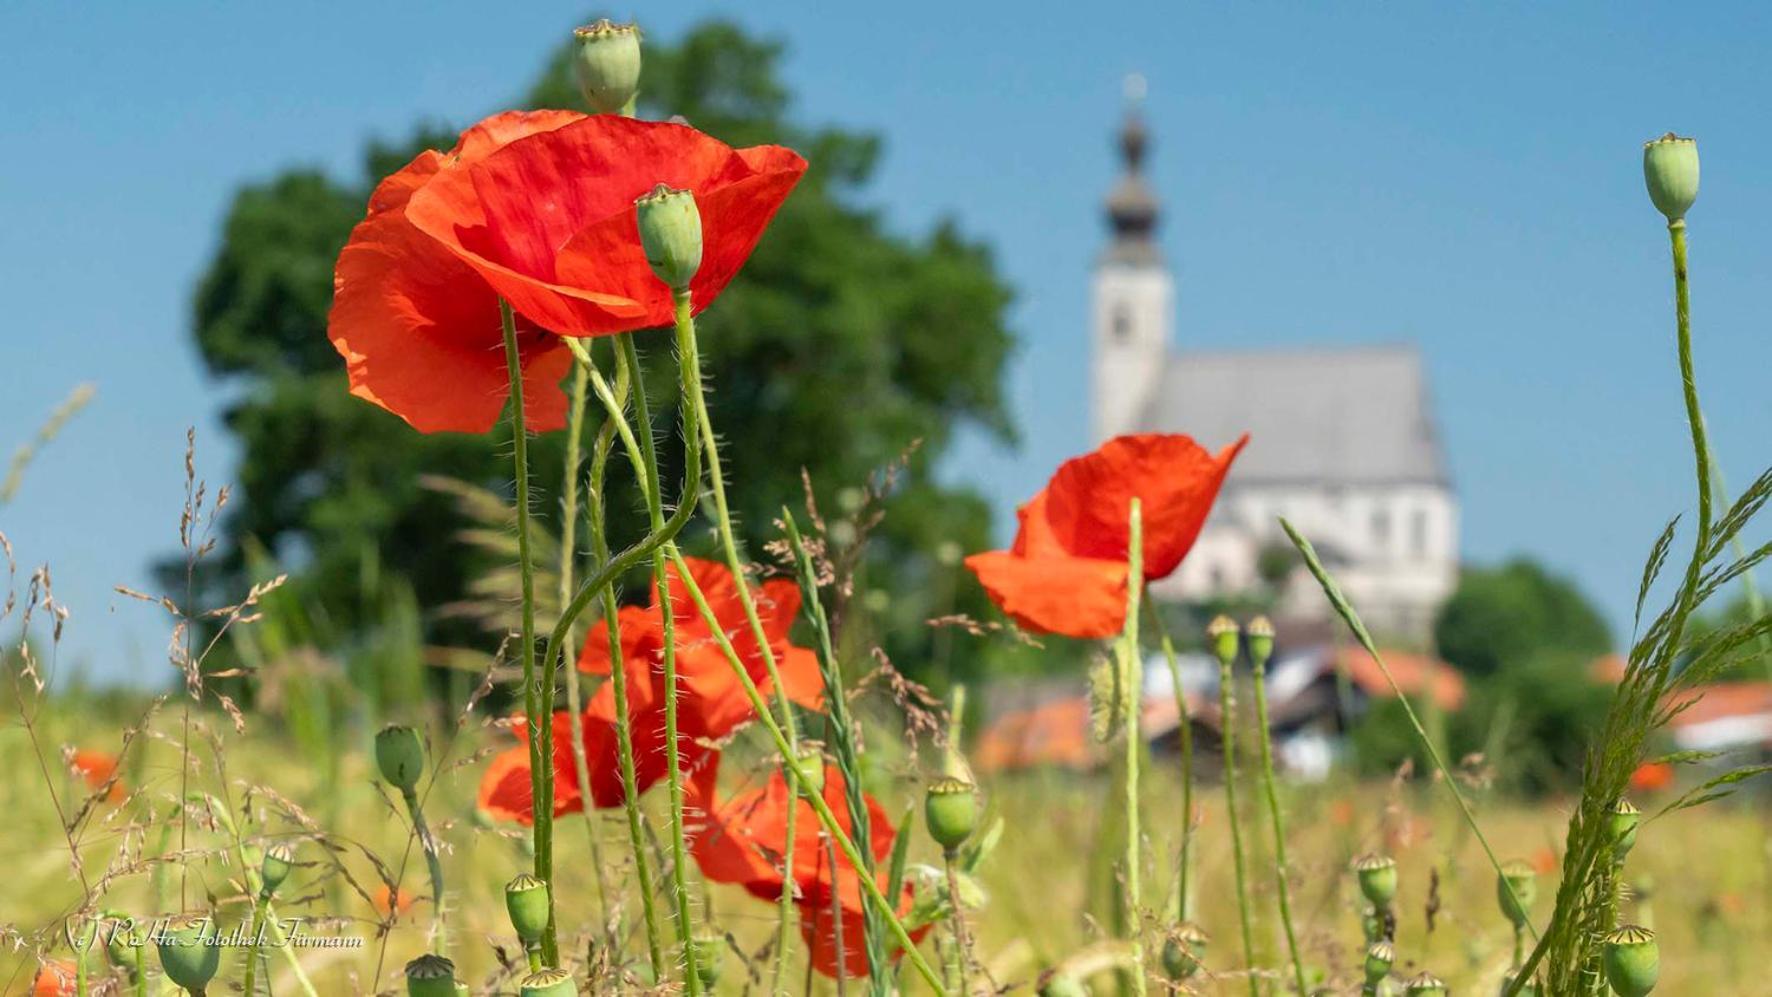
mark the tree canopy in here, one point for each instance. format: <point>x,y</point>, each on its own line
<point>839,345</point>
<point>1514,615</point>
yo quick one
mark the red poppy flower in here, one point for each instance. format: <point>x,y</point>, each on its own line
<point>711,706</point>
<point>744,839</point>
<point>1652,777</point>
<point>537,207</point>
<point>392,903</point>
<point>1066,573</point>
<point>95,768</point>
<point>55,978</point>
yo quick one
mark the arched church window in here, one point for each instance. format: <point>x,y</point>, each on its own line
<point>1121,323</point>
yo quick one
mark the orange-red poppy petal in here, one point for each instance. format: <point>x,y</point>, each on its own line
<point>1072,596</point>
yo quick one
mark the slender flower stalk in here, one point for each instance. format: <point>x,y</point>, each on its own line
<point>541,790</point>
<point>1261,644</point>
<point>685,324</point>
<point>1184,860</point>
<point>1222,633</point>
<point>1132,669</point>
<point>784,902</point>
<point>433,863</point>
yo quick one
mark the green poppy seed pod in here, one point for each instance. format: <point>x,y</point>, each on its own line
<point>1670,169</point>
<point>400,754</point>
<point>670,232</point>
<point>1183,947</point>
<point>1378,879</point>
<point>1425,983</point>
<point>1380,957</point>
<point>950,808</point>
<point>1633,960</point>
<point>1621,825</point>
<point>708,948</point>
<point>1223,635</point>
<point>1261,640</point>
<point>548,983</point>
<point>430,975</point>
<point>1058,983</point>
<point>274,868</point>
<point>187,955</point>
<point>1523,880</point>
<point>121,940</point>
<point>526,900</point>
<point>809,765</point>
<point>606,60</point>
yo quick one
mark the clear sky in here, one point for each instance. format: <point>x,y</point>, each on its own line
<point>1463,175</point>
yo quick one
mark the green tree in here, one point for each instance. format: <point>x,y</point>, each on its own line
<point>839,346</point>
<point>1514,615</point>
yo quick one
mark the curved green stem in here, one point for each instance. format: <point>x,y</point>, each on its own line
<point>1279,825</point>
<point>1132,668</point>
<point>1186,733</point>
<point>1227,723</point>
<point>433,863</point>
<point>541,789</point>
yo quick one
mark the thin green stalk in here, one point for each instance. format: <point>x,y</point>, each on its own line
<point>667,619</point>
<point>253,883</point>
<point>961,943</point>
<point>1676,231</point>
<point>1132,668</point>
<point>784,903</point>
<point>434,863</point>
<point>1227,724</point>
<point>1345,610</point>
<point>1279,823</point>
<point>256,926</point>
<point>575,418</point>
<point>1185,728</point>
<point>541,789</point>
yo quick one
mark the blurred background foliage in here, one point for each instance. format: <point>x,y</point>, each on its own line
<point>840,346</point>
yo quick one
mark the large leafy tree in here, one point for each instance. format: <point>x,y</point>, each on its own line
<point>839,345</point>
<point>1515,615</point>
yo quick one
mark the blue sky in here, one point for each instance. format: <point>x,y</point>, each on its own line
<point>1463,175</point>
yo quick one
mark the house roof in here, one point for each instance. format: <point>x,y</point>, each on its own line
<point>1721,701</point>
<point>1358,415</point>
<point>1414,673</point>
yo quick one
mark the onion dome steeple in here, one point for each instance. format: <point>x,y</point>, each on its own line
<point>1131,205</point>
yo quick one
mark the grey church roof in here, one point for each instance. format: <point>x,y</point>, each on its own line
<point>1354,415</point>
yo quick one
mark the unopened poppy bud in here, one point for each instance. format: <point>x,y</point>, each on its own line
<point>548,983</point>
<point>809,766</point>
<point>1670,169</point>
<point>1222,634</point>
<point>606,59</point>
<point>1261,641</point>
<point>1380,956</point>
<point>1425,983</point>
<point>708,948</point>
<point>1378,879</point>
<point>950,808</point>
<point>1633,960</point>
<point>1183,947</point>
<point>526,900</point>
<point>1522,880</point>
<point>274,868</point>
<point>187,955</point>
<point>1058,983</point>
<point>400,754</point>
<point>670,232</point>
<point>1621,824</point>
<point>430,975</point>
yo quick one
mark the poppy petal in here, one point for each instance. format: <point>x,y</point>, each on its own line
<point>1073,596</point>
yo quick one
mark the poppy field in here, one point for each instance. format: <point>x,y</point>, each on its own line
<point>676,765</point>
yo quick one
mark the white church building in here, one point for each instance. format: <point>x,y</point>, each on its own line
<point>1342,440</point>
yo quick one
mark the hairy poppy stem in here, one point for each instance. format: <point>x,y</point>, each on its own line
<point>1227,725</point>
<point>1278,820</point>
<point>1132,668</point>
<point>1186,733</point>
<point>541,790</point>
<point>667,617</point>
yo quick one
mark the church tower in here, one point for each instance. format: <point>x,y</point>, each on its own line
<point>1133,292</point>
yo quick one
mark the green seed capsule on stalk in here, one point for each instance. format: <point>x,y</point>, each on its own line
<point>606,60</point>
<point>121,940</point>
<point>670,233</point>
<point>1621,825</point>
<point>548,983</point>
<point>274,868</point>
<point>1261,640</point>
<point>1058,983</point>
<point>1378,879</point>
<point>708,948</point>
<point>1633,960</point>
<point>400,754</point>
<point>1425,983</point>
<point>1522,879</point>
<point>430,976</point>
<point>187,956</point>
<point>526,900</point>
<point>809,765</point>
<point>1183,947</point>
<point>1223,636</point>
<point>1670,169</point>
<point>1380,956</point>
<point>950,808</point>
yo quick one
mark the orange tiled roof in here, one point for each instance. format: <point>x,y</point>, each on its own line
<point>1720,701</point>
<point>1608,668</point>
<point>1413,673</point>
<point>1054,733</point>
